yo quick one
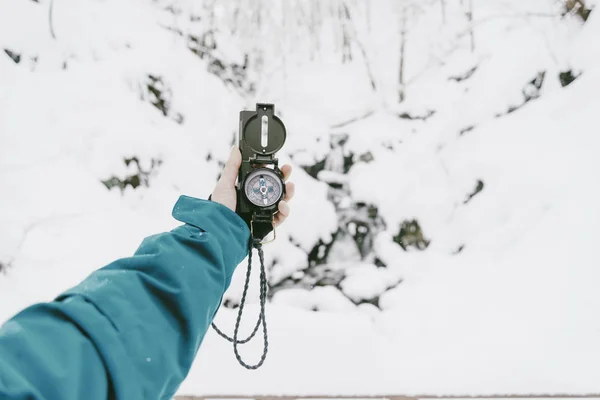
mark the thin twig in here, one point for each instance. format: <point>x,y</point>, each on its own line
<point>353,120</point>
<point>50,19</point>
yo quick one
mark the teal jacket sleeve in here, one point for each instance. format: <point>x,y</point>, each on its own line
<point>131,329</point>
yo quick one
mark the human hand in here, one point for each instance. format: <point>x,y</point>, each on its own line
<point>225,192</point>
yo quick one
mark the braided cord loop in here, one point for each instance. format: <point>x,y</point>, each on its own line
<point>252,244</point>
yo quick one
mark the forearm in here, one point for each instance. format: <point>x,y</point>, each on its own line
<point>140,320</point>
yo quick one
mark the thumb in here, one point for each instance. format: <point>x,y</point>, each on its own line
<point>232,167</point>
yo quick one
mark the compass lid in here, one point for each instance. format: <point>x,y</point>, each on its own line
<point>264,132</point>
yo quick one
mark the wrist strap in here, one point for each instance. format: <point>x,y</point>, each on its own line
<point>261,224</point>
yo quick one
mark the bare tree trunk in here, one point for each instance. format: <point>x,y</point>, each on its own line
<point>401,88</point>
<point>469,15</point>
<point>350,28</point>
<point>236,19</point>
<point>315,29</point>
<point>344,16</point>
<point>367,65</point>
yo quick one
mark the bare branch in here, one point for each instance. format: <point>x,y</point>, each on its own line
<point>352,120</point>
<point>349,25</point>
<point>402,86</point>
<point>50,19</point>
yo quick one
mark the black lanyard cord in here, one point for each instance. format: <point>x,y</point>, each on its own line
<point>253,244</point>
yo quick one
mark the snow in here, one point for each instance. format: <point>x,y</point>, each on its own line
<point>504,300</point>
<point>365,282</point>
<point>325,299</point>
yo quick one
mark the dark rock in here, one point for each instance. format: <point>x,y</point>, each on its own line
<point>140,178</point>
<point>379,263</point>
<point>411,235</point>
<point>459,249</point>
<point>231,73</point>
<point>567,77</point>
<point>478,188</point>
<point>318,254</point>
<point>423,117</point>
<point>577,7</point>
<point>313,170</point>
<point>14,56</point>
<point>532,90</point>
<point>161,94</point>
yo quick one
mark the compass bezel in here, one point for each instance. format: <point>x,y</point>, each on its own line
<point>264,171</point>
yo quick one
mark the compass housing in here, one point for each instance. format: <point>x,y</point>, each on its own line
<point>261,135</point>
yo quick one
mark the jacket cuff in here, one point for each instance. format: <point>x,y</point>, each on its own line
<point>229,229</point>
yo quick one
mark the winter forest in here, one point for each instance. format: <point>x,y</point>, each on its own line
<point>443,237</point>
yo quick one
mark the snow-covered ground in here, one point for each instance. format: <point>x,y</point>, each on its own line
<point>504,298</point>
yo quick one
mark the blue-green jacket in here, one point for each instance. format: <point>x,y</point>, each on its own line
<point>131,329</point>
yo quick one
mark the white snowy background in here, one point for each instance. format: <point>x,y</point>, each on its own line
<point>443,239</point>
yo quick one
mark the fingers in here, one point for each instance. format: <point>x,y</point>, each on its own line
<point>287,171</point>
<point>284,212</point>
<point>232,166</point>
<point>290,190</point>
<point>284,207</point>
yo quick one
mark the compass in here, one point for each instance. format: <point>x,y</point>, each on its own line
<point>260,181</point>
<point>260,188</point>
<point>263,187</point>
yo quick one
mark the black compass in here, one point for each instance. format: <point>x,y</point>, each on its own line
<point>260,181</point>
<point>260,188</point>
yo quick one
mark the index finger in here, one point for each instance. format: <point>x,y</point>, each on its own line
<point>286,170</point>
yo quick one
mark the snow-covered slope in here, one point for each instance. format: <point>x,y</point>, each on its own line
<point>488,152</point>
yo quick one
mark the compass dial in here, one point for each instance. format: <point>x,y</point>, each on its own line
<point>263,187</point>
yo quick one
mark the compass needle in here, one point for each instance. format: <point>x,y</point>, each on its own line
<point>263,187</point>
